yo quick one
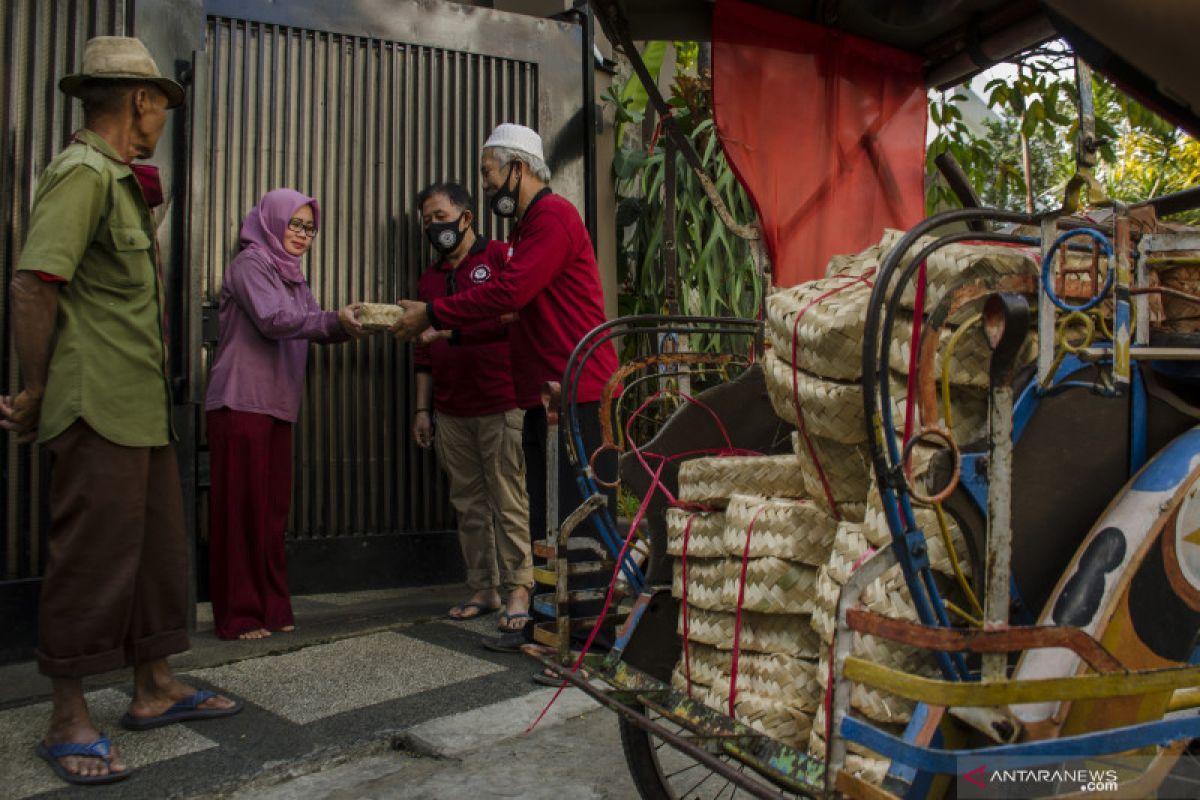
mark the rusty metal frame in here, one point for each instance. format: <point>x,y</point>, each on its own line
<point>996,640</point>
<point>787,769</point>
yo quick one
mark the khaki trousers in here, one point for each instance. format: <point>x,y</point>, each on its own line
<point>483,460</point>
<point>115,591</point>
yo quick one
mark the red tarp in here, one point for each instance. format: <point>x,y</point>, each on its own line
<point>825,130</point>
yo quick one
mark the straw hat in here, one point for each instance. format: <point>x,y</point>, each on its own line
<point>119,58</point>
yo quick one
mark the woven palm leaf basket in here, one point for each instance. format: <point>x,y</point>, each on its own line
<point>712,481</point>
<point>832,409</point>
<point>771,586</point>
<point>846,468</point>
<point>797,530</point>
<point>789,634</point>
<point>706,538</point>
<point>706,583</point>
<point>822,321</point>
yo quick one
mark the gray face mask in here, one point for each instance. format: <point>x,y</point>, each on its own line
<point>504,200</point>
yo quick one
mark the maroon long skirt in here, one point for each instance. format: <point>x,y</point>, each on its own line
<point>251,490</point>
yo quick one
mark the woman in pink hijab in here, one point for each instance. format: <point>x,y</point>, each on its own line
<point>268,317</point>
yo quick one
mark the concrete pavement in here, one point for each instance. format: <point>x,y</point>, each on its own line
<point>377,694</point>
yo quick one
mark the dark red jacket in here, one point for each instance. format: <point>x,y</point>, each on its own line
<point>472,371</point>
<point>552,282</point>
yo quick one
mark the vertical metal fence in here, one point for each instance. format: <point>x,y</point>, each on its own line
<point>40,41</point>
<point>362,125</point>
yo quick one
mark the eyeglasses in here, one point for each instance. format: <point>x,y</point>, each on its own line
<point>296,225</point>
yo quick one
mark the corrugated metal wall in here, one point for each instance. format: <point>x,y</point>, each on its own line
<point>40,41</point>
<point>362,125</point>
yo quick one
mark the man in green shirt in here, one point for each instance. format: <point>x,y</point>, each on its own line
<point>87,311</point>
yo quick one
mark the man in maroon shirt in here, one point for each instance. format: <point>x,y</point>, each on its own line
<point>465,376</point>
<point>551,281</point>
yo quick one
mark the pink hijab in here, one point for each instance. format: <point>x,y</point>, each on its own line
<point>264,227</point>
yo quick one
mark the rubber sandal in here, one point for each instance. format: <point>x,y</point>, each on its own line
<point>480,607</point>
<point>101,749</point>
<point>542,679</point>
<point>507,618</point>
<point>185,710</point>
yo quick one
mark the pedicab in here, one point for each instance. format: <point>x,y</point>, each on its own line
<point>929,526</point>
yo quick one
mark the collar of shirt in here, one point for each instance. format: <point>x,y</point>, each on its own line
<point>93,140</point>
<point>481,243</point>
<point>512,237</point>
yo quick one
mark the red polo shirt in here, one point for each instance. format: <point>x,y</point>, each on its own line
<point>472,372</point>
<point>552,280</point>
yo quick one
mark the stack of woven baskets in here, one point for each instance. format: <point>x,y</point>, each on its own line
<point>780,535</point>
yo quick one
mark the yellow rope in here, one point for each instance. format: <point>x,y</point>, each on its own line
<point>946,359</point>
<point>963,583</point>
<point>943,525</point>
<point>1064,345</point>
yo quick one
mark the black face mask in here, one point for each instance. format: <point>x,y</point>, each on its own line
<point>504,200</point>
<point>445,236</point>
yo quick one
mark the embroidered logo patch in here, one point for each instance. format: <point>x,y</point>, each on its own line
<point>481,273</point>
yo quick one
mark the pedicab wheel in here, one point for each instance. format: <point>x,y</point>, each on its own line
<point>661,772</point>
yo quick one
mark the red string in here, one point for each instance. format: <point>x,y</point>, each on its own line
<point>914,354</point>
<point>656,485</point>
<point>737,622</point>
<point>687,655</point>
<point>587,645</point>
<point>808,445</point>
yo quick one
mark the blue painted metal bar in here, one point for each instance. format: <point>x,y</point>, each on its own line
<point>1029,754</point>
<point>1137,421</point>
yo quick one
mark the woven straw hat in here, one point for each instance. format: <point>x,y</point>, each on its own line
<point>109,58</point>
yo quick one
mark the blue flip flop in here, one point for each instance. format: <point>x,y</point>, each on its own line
<point>503,626</point>
<point>186,710</point>
<point>101,749</point>
<point>480,609</point>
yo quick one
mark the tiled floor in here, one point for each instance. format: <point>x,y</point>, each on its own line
<point>325,680</point>
<point>26,775</point>
<point>360,669</point>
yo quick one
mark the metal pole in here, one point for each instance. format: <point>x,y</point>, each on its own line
<point>589,121</point>
<point>1006,325</point>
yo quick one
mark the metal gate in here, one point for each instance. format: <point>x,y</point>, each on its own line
<point>361,112</point>
<point>360,104</point>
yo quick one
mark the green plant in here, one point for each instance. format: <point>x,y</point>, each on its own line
<point>716,270</point>
<point>1024,160</point>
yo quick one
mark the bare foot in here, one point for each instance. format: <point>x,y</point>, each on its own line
<point>286,629</point>
<point>155,689</point>
<point>488,599</point>
<point>260,633</point>
<point>70,722</point>
<point>518,601</point>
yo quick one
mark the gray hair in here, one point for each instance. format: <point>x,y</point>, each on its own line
<point>507,155</point>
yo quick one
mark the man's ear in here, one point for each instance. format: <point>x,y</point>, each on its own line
<point>142,99</point>
<point>469,217</point>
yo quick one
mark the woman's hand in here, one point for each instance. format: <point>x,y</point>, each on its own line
<point>423,429</point>
<point>348,317</point>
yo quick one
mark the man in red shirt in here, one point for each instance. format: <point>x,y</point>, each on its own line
<point>465,377</point>
<point>552,283</point>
